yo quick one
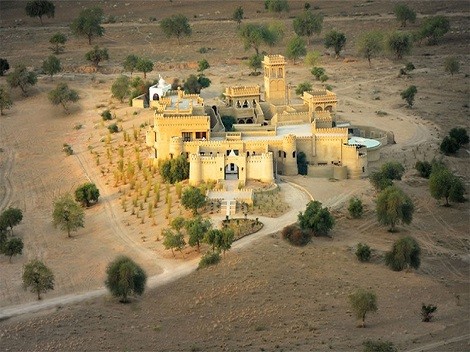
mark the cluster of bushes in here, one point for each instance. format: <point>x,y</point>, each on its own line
<point>454,141</point>
<point>295,236</point>
<point>12,246</point>
<point>384,177</point>
<point>174,170</point>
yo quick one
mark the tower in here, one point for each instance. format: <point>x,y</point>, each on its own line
<point>275,79</point>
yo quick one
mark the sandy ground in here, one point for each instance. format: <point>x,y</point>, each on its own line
<point>267,296</point>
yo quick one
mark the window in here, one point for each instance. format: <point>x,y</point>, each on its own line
<point>186,136</point>
<point>293,154</point>
<point>247,153</point>
<point>285,155</point>
<point>201,135</point>
<point>280,153</point>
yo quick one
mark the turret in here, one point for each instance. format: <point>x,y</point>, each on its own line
<point>289,146</point>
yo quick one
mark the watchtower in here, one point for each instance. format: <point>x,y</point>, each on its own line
<point>275,79</point>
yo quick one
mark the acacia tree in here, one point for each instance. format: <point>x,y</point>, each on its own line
<point>255,63</point>
<point>87,194</point>
<point>176,26</point>
<point>393,205</point>
<point>12,247</point>
<point>370,44</point>
<point>336,40</point>
<point>124,278</point>
<point>120,87</point>
<point>409,95</point>
<point>38,277</point>
<point>67,214</point>
<point>238,15</point>
<point>316,219</point>
<point>5,100</point>
<point>130,63</point>
<point>296,48</point>
<point>404,14</point>
<point>196,229</point>
<point>276,6</point>
<point>144,66</point>
<point>58,40</point>
<point>399,43</point>
<point>434,28</point>
<point>173,240</point>
<point>306,24</point>
<point>88,23</point>
<point>4,66</point>
<point>404,254</point>
<point>11,217</point>
<point>51,66</point>
<point>355,208</point>
<point>301,88</point>
<point>22,78</point>
<point>363,302</point>
<point>96,55</point>
<point>392,170</point>
<point>193,199</point>
<point>62,95</point>
<point>254,35</point>
<point>202,65</point>
<point>444,184</point>
<point>39,8</point>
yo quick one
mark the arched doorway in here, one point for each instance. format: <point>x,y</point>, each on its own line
<point>156,97</point>
<point>231,172</point>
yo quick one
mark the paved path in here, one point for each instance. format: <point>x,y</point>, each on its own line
<point>295,197</point>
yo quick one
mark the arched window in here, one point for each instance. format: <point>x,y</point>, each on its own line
<point>285,155</point>
<point>247,153</point>
<point>280,153</point>
<point>293,154</point>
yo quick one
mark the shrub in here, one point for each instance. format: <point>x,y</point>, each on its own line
<point>67,148</point>
<point>378,346</point>
<point>106,115</point>
<point>426,312</point>
<point>392,170</point>
<point>409,67</point>
<point>210,258</point>
<point>295,236</point>
<point>379,180</point>
<point>424,168</point>
<point>404,254</point>
<point>113,128</point>
<point>363,252</point>
<point>124,277</point>
<point>355,208</point>
<point>449,146</point>
<point>460,135</point>
<point>317,72</point>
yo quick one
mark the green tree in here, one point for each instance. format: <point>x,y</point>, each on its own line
<point>296,48</point>
<point>124,278</point>
<point>363,302</point>
<point>96,55</point>
<point>392,170</point>
<point>5,100</point>
<point>11,217</point>
<point>4,66</point>
<point>444,184</point>
<point>404,14</point>
<point>449,146</point>
<point>306,24</point>
<point>67,214</point>
<point>58,40</point>
<point>175,170</point>
<point>363,252</point>
<point>424,168</point>
<point>408,95</point>
<point>316,219</point>
<point>335,40</point>
<point>213,237</point>
<point>88,23</point>
<point>379,180</point>
<point>176,26</point>
<point>226,240</point>
<point>178,223</point>
<point>193,199</point>
<point>120,87</point>
<point>459,134</point>
<point>194,84</point>
<point>22,78</point>
<point>303,87</point>
<point>130,63</point>
<point>62,95</point>
<point>87,194</point>
<point>355,208</point>
<point>312,58</point>
<point>317,72</point>
<point>393,205</point>
<point>434,28</point>
<point>276,6</point>
<point>378,346</point>
<point>404,254</point>
<point>173,240</point>
<point>13,246</point>
<point>51,66</point>
<point>452,65</point>
<point>202,65</point>
<point>399,44</point>
<point>39,8</point>
<point>38,277</point>
<point>255,62</point>
<point>238,15</point>
<point>228,122</point>
<point>196,228</point>
<point>144,66</point>
<point>254,35</point>
<point>370,44</point>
